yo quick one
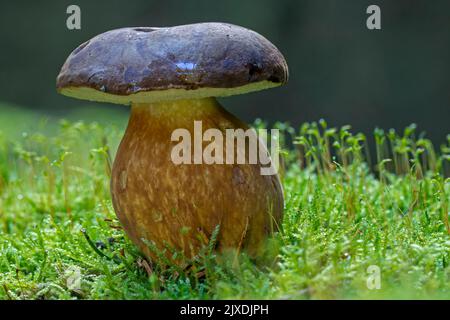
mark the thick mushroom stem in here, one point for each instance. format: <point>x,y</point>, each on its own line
<point>178,206</point>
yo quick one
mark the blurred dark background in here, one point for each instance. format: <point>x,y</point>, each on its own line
<point>339,70</point>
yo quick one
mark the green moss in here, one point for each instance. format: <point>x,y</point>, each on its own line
<point>341,217</point>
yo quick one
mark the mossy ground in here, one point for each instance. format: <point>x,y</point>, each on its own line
<point>342,216</point>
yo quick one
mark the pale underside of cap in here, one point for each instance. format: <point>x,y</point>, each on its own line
<point>90,94</point>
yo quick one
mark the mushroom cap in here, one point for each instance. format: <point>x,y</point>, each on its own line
<point>143,65</point>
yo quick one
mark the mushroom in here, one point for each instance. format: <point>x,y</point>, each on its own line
<point>170,77</point>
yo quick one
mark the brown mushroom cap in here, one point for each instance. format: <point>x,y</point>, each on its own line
<point>141,65</point>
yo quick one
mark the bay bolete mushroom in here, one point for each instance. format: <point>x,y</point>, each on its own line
<point>170,77</point>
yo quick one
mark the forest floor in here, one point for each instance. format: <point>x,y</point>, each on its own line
<point>351,229</point>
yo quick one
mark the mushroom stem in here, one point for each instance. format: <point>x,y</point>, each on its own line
<point>179,205</point>
<point>185,110</point>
